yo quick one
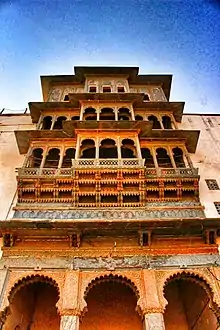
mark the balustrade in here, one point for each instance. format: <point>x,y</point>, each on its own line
<point>113,162</point>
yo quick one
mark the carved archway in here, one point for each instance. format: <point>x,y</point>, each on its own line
<point>21,291</point>
<point>111,282</point>
<point>190,297</point>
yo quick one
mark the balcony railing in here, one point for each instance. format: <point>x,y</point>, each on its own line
<point>113,162</point>
<point>109,163</point>
<point>171,172</point>
<point>26,171</point>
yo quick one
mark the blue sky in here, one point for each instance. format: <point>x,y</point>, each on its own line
<point>181,37</point>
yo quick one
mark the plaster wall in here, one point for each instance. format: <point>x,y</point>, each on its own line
<point>207,157</point>
<point>10,158</point>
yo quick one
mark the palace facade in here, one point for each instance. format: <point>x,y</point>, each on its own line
<point>111,221</point>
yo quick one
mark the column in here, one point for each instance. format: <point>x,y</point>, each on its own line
<point>116,113</point>
<point>39,124</point>
<point>97,148</point>
<point>69,322</point>
<point>154,321</point>
<point>98,113</point>
<point>44,157</point>
<point>77,147</point>
<point>27,157</point>
<point>173,122</point>
<point>186,154</point>
<point>138,148</point>
<point>119,147</point>
<point>53,122</point>
<point>62,150</point>
<point>170,153</point>
<point>132,113</point>
<point>161,122</point>
<point>81,113</point>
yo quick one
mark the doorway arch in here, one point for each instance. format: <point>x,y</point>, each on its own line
<point>190,303</point>
<point>32,304</point>
<point>111,304</point>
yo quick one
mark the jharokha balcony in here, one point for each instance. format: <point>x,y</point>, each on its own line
<point>101,182</point>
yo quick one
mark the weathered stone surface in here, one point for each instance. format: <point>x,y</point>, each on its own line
<point>69,322</point>
<point>154,321</point>
<point>145,262</point>
<point>110,214</point>
<point>3,281</point>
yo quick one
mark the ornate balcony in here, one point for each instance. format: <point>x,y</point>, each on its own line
<point>110,163</point>
<point>171,172</point>
<point>44,172</point>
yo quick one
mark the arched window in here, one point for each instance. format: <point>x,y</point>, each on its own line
<point>90,114</point>
<point>66,97</point>
<point>163,158</point>
<point>124,114</point>
<point>52,159</point>
<point>106,89</point>
<point>121,89</point>
<point>107,114</point>
<point>138,117</point>
<point>156,123</point>
<point>128,149</point>
<point>47,122</point>
<point>36,158</point>
<point>166,122</point>
<point>108,149</point>
<point>69,155</point>
<point>146,154</point>
<point>146,98</point>
<point>87,149</point>
<point>75,118</point>
<point>58,122</point>
<point>92,89</point>
<point>178,157</point>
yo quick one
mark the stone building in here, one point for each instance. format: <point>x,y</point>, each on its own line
<point>111,222</point>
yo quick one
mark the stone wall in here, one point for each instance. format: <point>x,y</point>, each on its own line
<point>10,158</point>
<point>207,156</point>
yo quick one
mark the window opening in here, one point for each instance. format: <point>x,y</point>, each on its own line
<point>212,184</point>
<point>121,89</point>
<point>156,123</point>
<point>58,123</point>
<point>163,158</point>
<point>106,89</point>
<point>146,98</point>
<point>107,114</point>
<point>47,122</point>
<point>66,98</point>
<point>108,149</point>
<point>128,149</point>
<point>69,155</point>
<point>146,154</point>
<point>52,159</point>
<point>87,149</point>
<point>178,157</point>
<point>166,122</point>
<point>92,89</point>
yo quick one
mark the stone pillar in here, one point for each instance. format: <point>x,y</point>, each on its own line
<point>98,113</point>
<point>81,113</point>
<point>119,147</point>
<point>154,321</point>
<point>132,113</point>
<point>173,122</point>
<point>116,113</point>
<point>170,153</point>
<point>185,153</point>
<point>138,148</point>
<point>40,122</point>
<point>97,148</point>
<point>54,118</point>
<point>44,157</point>
<point>77,147</point>
<point>161,122</point>
<point>69,322</point>
<point>62,151</point>
<point>153,152</point>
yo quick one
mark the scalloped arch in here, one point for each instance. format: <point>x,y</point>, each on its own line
<point>193,277</point>
<point>115,278</point>
<point>27,280</point>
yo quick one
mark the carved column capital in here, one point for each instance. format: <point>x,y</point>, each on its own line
<point>70,312</point>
